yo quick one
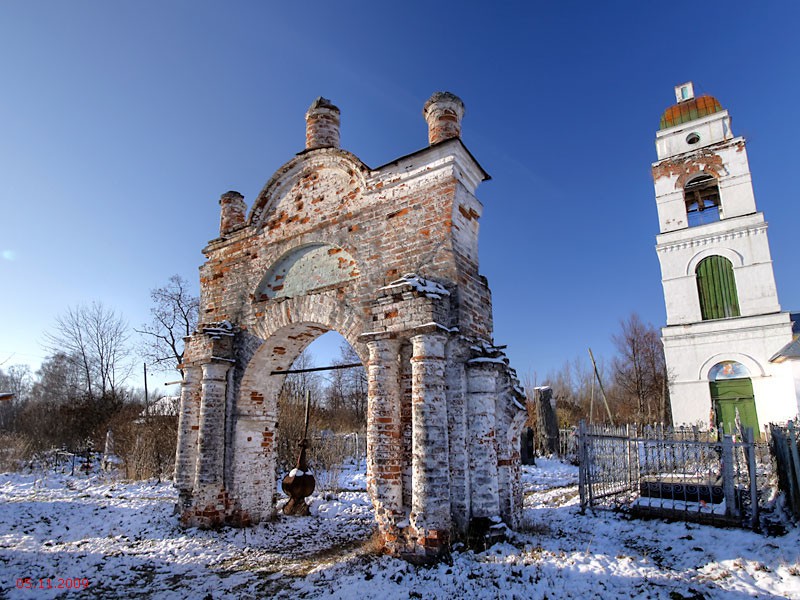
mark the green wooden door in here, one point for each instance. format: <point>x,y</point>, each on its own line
<point>728,395</point>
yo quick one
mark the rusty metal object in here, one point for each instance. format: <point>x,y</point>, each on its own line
<point>300,482</point>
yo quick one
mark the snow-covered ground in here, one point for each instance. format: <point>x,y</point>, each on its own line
<point>119,539</point>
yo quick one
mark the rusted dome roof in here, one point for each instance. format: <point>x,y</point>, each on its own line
<point>690,110</point>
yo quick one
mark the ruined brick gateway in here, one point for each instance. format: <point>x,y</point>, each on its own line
<point>388,257</point>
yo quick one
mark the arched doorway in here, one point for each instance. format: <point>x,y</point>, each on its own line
<point>732,394</point>
<point>330,376</point>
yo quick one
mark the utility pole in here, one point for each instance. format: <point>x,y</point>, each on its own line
<point>602,391</point>
<point>146,398</point>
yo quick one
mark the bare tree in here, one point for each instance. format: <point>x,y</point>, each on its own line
<point>174,317</point>
<point>95,338</point>
<point>640,371</point>
<point>58,381</point>
<point>347,392</point>
<point>57,398</point>
<point>17,380</point>
<point>575,390</point>
<point>291,409</point>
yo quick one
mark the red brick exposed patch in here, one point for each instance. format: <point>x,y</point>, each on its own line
<point>397,213</point>
<point>705,162</point>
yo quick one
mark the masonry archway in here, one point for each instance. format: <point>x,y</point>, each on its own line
<point>283,333</point>
<point>388,258</point>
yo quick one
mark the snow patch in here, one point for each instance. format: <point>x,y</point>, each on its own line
<point>426,287</point>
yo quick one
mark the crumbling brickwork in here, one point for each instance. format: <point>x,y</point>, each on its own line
<point>388,257</point>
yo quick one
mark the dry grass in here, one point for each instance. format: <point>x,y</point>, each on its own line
<point>15,451</point>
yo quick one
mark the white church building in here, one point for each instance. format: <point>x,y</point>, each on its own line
<point>729,348</point>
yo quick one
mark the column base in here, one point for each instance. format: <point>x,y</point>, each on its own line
<point>212,511</point>
<point>416,547</point>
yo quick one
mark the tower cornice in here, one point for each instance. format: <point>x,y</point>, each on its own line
<point>714,236</point>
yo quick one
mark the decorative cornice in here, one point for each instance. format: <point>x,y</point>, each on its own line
<point>712,238</point>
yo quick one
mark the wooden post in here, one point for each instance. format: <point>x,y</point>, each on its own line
<point>728,487</point>
<point>602,391</point>
<point>750,451</point>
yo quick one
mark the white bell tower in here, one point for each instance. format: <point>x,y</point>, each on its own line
<point>724,322</point>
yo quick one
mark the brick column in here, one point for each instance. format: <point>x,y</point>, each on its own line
<point>430,504</point>
<point>211,439</point>
<point>384,455</point>
<point>456,378</point>
<point>188,425</point>
<point>481,395</point>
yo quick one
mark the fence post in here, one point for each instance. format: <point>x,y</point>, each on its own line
<point>750,451</point>
<point>633,457</point>
<point>728,485</point>
<point>582,464</point>
<point>628,454</point>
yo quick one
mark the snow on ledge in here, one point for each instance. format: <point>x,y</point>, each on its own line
<point>427,288</point>
<point>216,330</point>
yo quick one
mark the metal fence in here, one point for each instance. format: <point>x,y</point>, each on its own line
<point>682,474</point>
<point>568,445</point>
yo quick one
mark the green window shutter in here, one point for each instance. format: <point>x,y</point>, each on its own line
<point>716,287</point>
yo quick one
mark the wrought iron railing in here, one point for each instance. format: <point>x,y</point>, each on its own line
<point>680,473</point>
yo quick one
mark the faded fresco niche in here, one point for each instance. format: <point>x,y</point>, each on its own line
<point>728,369</point>
<point>304,269</point>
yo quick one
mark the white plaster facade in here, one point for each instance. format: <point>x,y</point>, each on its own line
<point>693,346</point>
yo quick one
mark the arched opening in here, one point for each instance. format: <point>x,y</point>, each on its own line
<point>716,288</point>
<point>701,195</point>
<point>732,397</point>
<point>329,373</point>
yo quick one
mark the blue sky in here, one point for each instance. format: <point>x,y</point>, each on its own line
<point>121,124</point>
